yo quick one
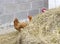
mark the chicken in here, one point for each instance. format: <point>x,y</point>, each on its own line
<point>30,17</point>
<point>18,25</point>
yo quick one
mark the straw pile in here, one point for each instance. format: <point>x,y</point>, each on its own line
<point>9,38</point>
<point>44,29</point>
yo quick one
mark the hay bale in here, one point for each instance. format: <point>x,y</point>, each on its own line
<point>44,29</point>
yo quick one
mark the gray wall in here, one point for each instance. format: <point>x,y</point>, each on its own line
<point>9,9</point>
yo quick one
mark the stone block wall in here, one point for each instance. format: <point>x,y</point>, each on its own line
<point>9,9</point>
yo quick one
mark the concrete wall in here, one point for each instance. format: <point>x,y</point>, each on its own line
<point>9,9</point>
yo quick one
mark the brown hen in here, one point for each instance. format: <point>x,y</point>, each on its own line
<point>30,17</point>
<point>18,25</point>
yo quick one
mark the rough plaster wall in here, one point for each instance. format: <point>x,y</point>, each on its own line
<point>9,9</point>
